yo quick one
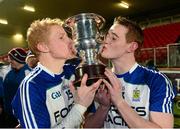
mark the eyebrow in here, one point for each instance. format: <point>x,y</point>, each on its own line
<point>61,34</point>
<point>114,34</point>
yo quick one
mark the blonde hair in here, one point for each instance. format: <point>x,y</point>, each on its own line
<point>39,31</point>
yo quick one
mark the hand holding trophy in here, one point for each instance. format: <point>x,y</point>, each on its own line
<point>85,31</point>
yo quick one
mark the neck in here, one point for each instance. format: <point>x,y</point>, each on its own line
<point>123,65</point>
<point>54,65</point>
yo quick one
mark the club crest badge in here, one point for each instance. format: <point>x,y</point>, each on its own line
<point>136,95</point>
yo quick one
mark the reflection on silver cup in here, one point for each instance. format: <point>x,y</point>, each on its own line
<point>85,31</point>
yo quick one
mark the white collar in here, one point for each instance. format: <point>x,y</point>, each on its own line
<point>133,67</point>
<point>45,69</point>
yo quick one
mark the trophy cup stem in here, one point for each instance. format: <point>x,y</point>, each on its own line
<point>94,72</point>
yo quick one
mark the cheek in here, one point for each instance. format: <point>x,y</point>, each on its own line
<point>114,48</point>
<point>13,65</point>
<point>65,50</point>
<point>113,51</point>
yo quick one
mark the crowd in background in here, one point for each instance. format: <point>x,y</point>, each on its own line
<point>19,63</point>
<point>12,72</point>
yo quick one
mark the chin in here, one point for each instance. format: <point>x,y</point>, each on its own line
<point>104,55</point>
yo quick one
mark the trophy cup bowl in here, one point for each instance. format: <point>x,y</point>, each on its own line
<point>85,32</point>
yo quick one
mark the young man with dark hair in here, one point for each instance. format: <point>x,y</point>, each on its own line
<point>137,97</point>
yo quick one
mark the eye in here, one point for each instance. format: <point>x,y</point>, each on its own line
<point>113,38</point>
<point>61,36</point>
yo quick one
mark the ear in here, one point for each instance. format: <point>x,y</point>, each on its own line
<point>133,46</point>
<point>42,47</point>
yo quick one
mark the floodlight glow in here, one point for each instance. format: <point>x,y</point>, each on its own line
<point>3,21</point>
<point>124,4</point>
<point>29,8</point>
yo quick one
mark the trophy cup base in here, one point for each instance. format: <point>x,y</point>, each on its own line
<point>95,72</point>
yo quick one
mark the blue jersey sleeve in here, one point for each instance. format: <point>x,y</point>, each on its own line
<point>30,107</point>
<point>161,94</point>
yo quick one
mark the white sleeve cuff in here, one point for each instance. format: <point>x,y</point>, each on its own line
<point>80,108</point>
<point>74,118</point>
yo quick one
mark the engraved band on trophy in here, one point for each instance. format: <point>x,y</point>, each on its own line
<point>85,31</point>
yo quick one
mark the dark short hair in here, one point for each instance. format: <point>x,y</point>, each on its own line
<point>134,34</point>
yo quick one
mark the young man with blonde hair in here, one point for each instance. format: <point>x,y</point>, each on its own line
<point>44,99</point>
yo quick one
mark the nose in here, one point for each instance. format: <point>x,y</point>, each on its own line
<point>9,60</point>
<point>107,39</point>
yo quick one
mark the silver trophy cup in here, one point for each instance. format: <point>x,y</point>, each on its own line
<point>85,31</point>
